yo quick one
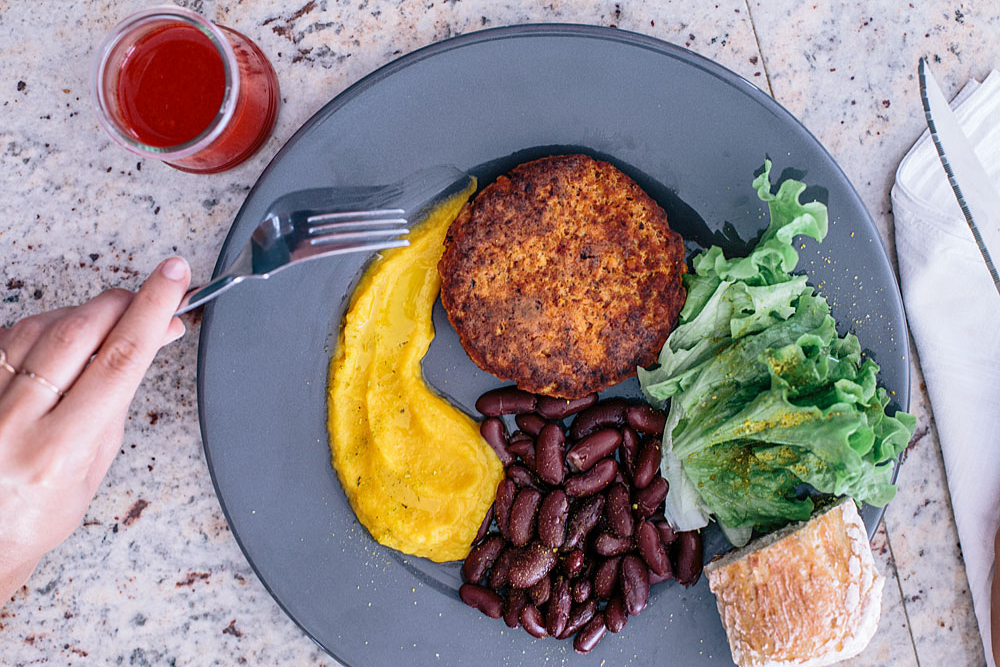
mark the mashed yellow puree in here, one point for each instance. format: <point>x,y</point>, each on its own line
<point>415,469</point>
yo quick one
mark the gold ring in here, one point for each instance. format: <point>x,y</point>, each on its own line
<point>4,365</point>
<point>42,381</point>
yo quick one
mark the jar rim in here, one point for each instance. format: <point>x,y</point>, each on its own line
<point>120,33</point>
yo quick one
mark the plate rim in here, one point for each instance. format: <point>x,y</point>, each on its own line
<point>524,30</point>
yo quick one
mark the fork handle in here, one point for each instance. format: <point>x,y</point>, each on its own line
<point>205,293</point>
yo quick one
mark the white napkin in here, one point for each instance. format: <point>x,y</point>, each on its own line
<point>954,314</point>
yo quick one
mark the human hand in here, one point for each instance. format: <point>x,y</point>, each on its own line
<point>56,447</point>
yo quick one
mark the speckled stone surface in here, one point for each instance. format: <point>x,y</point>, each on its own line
<point>153,576</point>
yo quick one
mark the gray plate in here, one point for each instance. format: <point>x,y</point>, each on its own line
<point>688,130</point>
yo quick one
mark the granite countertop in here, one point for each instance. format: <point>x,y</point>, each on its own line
<point>154,576</point>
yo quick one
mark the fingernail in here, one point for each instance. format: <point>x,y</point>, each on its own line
<point>175,268</point>
<point>181,334</point>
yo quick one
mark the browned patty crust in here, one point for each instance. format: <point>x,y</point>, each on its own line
<point>562,276</point>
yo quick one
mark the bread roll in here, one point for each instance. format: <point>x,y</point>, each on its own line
<point>807,595</point>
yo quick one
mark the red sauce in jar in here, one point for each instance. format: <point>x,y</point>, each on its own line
<point>171,86</point>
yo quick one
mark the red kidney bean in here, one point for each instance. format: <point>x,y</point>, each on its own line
<point>584,454</point>
<point>593,481</point>
<point>667,534</point>
<point>541,526</point>
<point>532,621</point>
<point>481,558</point>
<point>590,635</point>
<point>635,584</point>
<point>610,412</point>
<point>531,564</point>
<point>522,515</point>
<point>606,577</point>
<point>520,435</point>
<point>647,465</point>
<point>687,553</point>
<point>557,613</point>
<point>505,401</point>
<point>579,615</point>
<point>540,591</point>
<point>500,572</point>
<point>618,511</point>
<point>649,499</point>
<point>560,408</point>
<point>495,434</point>
<point>582,520</point>
<point>572,563</point>
<point>522,476</point>
<point>482,599</point>
<point>609,544</point>
<point>646,419</point>
<point>530,423</point>
<point>506,490</point>
<point>549,452</point>
<point>516,599</point>
<point>615,615</point>
<point>485,525</point>
<point>552,516</point>
<point>628,452</point>
<point>525,448</point>
<point>651,549</point>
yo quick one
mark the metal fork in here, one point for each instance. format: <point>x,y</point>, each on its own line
<point>322,222</point>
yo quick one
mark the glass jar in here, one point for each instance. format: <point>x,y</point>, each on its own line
<point>170,85</point>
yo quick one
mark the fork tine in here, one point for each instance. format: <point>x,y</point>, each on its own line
<point>322,250</point>
<point>359,221</point>
<point>355,225</point>
<point>373,215</point>
<point>363,235</point>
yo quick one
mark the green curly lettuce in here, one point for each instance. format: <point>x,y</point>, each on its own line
<point>765,396</point>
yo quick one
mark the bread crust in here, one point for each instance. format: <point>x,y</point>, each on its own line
<point>808,595</point>
<point>562,276</point>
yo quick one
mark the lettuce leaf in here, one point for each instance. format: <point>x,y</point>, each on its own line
<point>686,510</point>
<point>768,404</point>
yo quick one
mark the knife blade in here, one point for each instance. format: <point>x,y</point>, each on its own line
<point>977,197</point>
